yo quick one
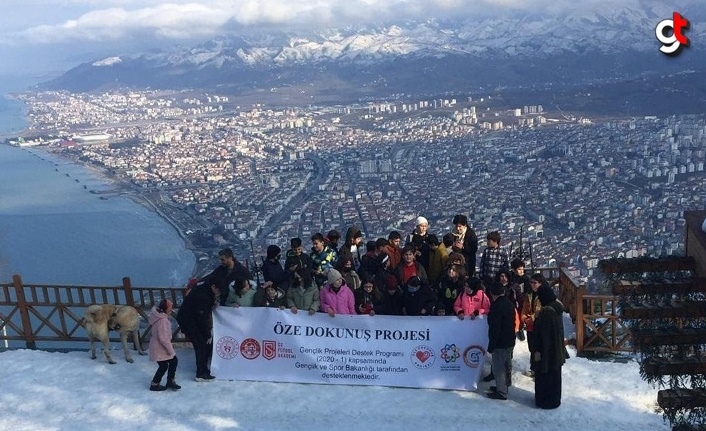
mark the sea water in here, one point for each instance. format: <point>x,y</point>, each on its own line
<point>53,230</point>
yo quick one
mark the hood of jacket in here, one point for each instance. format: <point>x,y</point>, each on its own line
<point>154,316</point>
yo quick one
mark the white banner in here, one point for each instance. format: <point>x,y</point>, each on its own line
<point>267,344</point>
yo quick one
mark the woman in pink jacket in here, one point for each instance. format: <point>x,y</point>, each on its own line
<point>473,301</point>
<point>161,349</point>
<point>335,296</point>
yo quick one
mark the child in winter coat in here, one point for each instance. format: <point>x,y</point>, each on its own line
<point>367,297</point>
<point>473,301</point>
<point>335,297</point>
<point>161,349</point>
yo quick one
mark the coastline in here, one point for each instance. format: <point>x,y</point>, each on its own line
<point>119,187</point>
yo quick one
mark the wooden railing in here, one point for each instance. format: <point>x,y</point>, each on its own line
<point>596,318</point>
<point>47,313</point>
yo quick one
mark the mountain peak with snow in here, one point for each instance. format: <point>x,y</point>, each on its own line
<point>579,46</point>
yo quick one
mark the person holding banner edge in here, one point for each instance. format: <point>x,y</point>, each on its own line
<point>303,294</point>
<point>335,296</point>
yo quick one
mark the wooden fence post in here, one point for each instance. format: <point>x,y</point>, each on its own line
<point>24,312</point>
<point>579,325</point>
<point>127,288</point>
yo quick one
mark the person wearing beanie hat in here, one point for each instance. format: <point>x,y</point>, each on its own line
<point>333,276</point>
<point>336,297</point>
<point>548,353</point>
<point>161,349</point>
<point>419,299</point>
<point>392,299</point>
<point>418,239</point>
<point>272,269</point>
<point>273,251</point>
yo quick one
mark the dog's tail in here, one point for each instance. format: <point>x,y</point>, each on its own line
<point>90,316</point>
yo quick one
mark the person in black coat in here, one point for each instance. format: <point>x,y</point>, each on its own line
<point>229,271</point>
<point>548,352</point>
<point>368,297</point>
<point>451,285</point>
<point>392,298</point>
<point>465,242</point>
<point>296,259</point>
<point>195,321</point>
<point>501,339</point>
<point>272,268</point>
<point>419,300</point>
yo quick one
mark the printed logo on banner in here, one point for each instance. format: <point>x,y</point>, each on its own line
<point>250,348</point>
<point>423,357</point>
<point>227,347</point>
<point>269,349</point>
<point>450,353</point>
<point>472,356</point>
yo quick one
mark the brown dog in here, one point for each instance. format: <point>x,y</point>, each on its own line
<point>100,319</point>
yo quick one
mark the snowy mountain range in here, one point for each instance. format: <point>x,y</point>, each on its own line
<point>419,57</point>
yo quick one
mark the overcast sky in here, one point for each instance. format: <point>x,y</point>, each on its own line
<point>54,35</point>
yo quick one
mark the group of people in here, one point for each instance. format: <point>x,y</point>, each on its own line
<point>426,276</point>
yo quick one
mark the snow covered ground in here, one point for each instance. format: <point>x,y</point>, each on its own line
<point>69,391</point>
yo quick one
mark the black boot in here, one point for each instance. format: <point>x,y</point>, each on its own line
<point>157,387</point>
<point>489,378</point>
<point>171,384</point>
